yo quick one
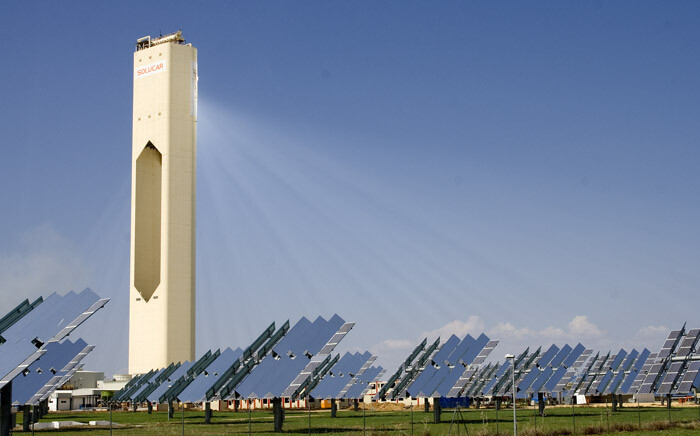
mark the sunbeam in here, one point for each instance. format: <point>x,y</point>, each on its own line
<point>280,221</point>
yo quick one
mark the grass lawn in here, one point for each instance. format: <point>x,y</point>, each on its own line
<point>478,422</point>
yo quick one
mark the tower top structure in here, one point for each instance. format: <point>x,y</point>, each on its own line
<point>173,38</point>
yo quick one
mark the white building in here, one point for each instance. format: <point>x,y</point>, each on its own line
<point>83,391</point>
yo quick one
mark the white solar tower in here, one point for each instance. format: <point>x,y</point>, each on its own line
<point>164,150</point>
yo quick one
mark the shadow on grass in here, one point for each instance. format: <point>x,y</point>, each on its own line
<point>86,428</point>
<point>320,430</point>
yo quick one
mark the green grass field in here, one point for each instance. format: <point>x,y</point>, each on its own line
<point>477,422</point>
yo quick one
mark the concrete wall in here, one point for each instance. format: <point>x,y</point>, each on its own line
<point>60,401</point>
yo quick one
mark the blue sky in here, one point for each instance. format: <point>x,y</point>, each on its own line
<point>527,170</point>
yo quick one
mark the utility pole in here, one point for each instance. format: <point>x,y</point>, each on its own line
<point>515,416</point>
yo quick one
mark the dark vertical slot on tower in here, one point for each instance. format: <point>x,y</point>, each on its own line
<point>147,230</point>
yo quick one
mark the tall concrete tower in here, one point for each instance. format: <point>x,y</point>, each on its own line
<point>164,151</point>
